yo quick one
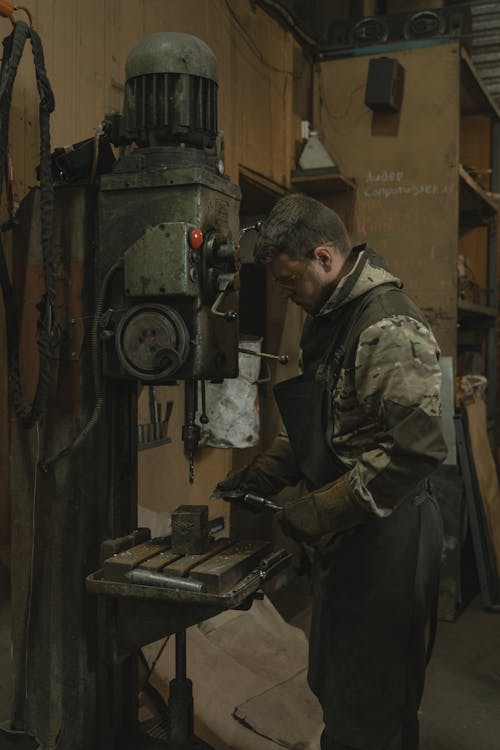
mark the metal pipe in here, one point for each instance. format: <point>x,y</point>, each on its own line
<point>151,578</point>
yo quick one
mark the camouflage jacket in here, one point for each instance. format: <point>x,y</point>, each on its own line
<point>382,378</point>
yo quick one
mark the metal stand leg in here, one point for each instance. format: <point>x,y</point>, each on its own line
<point>180,704</point>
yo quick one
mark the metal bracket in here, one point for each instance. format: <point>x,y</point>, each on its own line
<point>67,339</point>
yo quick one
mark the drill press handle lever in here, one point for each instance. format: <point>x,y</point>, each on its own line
<point>282,359</point>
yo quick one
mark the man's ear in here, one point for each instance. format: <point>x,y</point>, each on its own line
<point>326,256</point>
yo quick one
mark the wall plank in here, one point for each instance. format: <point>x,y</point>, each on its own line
<point>406,169</point>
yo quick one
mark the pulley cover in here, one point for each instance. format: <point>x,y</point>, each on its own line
<point>152,342</point>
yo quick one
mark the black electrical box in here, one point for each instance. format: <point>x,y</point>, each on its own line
<point>384,86</point>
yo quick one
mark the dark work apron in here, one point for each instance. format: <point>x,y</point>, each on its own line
<point>374,589</point>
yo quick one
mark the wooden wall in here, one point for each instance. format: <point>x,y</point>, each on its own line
<point>406,169</point>
<point>86,45</point>
<point>264,81</point>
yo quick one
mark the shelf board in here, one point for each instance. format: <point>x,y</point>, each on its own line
<point>471,309</point>
<point>476,208</point>
<point>258,192</point>
<point>474,97</point>
<point>321,180</point>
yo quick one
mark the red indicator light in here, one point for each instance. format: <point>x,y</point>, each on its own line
<point>196,238</point>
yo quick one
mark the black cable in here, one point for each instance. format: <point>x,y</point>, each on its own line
<point>98,382</point>
<point>324,101</point>
<point>277,8</point>
<point>14,46</point>
<point>323,104</point>
<point>254,47</point>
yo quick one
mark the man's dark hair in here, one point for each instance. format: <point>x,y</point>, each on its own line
<point>297,225</point>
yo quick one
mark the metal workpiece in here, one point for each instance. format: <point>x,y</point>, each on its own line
<point>190,529</point>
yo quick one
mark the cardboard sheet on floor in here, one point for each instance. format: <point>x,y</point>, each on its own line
<point>288,714</point>
<point>249,681</point>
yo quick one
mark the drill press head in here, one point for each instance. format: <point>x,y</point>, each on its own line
<point>169,217</point>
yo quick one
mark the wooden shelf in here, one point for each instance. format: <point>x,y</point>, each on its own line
<point>474,97</point>
<point>476,208</point>
<point>473,310</point>
<point>258,193</point>
<point>320,181</point>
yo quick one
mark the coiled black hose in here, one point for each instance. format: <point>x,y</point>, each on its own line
<point>14,46</point>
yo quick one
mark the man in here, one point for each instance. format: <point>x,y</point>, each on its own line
<point>363,433</point>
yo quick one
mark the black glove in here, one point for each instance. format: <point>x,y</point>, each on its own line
<point>268,473</point>
<point>249,479</point>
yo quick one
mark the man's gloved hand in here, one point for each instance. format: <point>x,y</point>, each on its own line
<point>267,474</point>
<point>249,479</point>
<point>328,510</point>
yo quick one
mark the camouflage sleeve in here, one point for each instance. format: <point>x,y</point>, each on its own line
<point>398,380</point>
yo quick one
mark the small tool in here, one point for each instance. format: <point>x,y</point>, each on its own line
<point>250,501</point>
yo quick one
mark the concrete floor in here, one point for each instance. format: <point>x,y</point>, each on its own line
<point>461,707</point>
